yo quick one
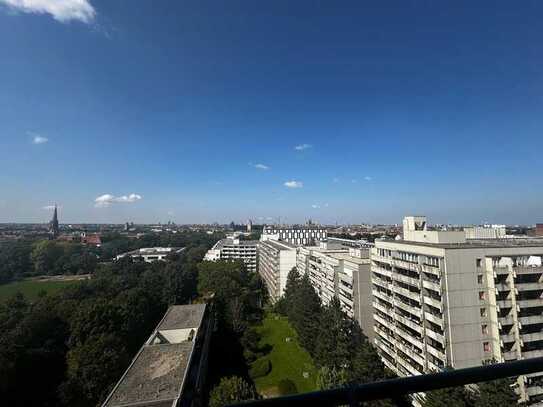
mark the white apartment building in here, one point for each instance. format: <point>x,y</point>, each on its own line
<point>341,272</point>
<point>485,232</point>
<point>235,249</point>
<point>298,236</point>
<point>276,259</point>
<point>441,300</point>
<point>151,254</point>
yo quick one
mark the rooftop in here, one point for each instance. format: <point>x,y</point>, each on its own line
<point>234,242</point>
<point>477,243</point>
<point>182,317</point>
<point>279,244</point>
<point>155,376</point>
<point>153,250</point>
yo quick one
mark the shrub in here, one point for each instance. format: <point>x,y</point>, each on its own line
<point>260,368</point>
<point>286,387</point>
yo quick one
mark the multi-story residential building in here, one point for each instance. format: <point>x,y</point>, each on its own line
<point>170,368</point>
<point>343,273</point>
<point>298,236</point>
<point>441,300</point>
<point>235,249</point>
<point>276,259</point>
<point>151,254</point>
<point>485,232</point>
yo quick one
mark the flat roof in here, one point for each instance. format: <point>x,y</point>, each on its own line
<point>348,257</point>
<point>475,243</point>
<point>146,251</point>
<point>230,242</point>
<point>155,376</point>
<point>279,244</point>
<point>182,317</point>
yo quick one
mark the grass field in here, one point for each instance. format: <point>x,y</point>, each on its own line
<point>288,359</point>
<point>31,288</point>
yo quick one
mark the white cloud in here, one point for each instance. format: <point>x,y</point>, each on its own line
<point>261,167</point>
<point>326,205</point>
<point>36,138</point>
<point>108,199</point>
<point>61,10</point>
<point>294,184</point>
<point>315,206</point>
<point>302,147</point>
<point>368,178</point>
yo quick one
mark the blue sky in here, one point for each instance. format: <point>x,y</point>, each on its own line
<point>163,110</point>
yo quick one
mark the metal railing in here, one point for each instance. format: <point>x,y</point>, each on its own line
<point>396,389</point>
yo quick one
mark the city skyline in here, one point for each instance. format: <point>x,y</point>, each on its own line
<point>336,113</point>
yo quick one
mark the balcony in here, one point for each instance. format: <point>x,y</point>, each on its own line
<point>535,319</point>
<point>409,338</point>
<point>406,293</point>
<point>431,286</point>
<point>536,302</point>
<point>406,265</point>
<point>436,319</point>
<point>508,338</point>
<point>382,320</point>
<point>508,320</point>
<point>529,286</point>
<point>381,283</point>
<point>504,303</point>
<point>410,351</point>
<point>500,271</point>
<point>435,336</point>
<point>415,282</point>
<point>436,352</point>
<point>381,295</point>
<point>537,336</point>
<point>434,270</point>
<point>409,323</point>
<point>408,366</point>
<point>382,308</point>
<point>409,308</point>
<point>433,302</point>
<point>529,270</point>
<point>532,354</point>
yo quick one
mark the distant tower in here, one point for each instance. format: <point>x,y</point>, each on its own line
<point>249,225</point>
<point>53,225</point>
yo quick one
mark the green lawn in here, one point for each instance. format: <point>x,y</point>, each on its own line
<point>31,288</point>
<point>289,360</point>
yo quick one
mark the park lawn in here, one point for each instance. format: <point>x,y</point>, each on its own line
<point>289,360</point>
<point>31,288</point>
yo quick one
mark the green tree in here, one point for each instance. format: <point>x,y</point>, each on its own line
<point>231,390</point>
<point>44,255</point>
<point>331,378</point>
<point>448,397</point>
<point>495,393</point>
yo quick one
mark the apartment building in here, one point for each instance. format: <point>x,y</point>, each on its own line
<point>298,236</point>
<point>442,300</point>
<point>170,368</point>
<point>235,249</point>
<point>485,232</point>
<point>276,259</point>
<point>151,254</point>
<point>343,273</point>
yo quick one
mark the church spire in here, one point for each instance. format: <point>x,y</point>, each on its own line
<point>53,225</point>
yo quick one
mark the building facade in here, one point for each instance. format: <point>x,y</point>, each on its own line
<point>485,232</point>
<point>170,368</point>
<point>440,300</point>
<point>343,273</point>
<point>235,249</point>
<point>276,259</point>
<point>151,254</point>
<point>297,236</point>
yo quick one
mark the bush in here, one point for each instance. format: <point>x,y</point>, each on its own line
<point>260,368</point>
<point>286,387</point>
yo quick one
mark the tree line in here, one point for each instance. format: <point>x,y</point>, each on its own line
<point>27,258</point>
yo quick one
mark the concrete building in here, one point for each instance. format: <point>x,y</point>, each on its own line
<point>298,236</point>
<point>275,260</point>
<point>150,254</point>
<point>485,232</point>
<point>170,368</point>
<point>235,249</point>
<point>344,273</point>
<point>539,229</point>
<point>442,300</point>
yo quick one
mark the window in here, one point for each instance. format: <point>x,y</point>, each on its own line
<point>479,279</point>
<point>486,346</point>
<point>482,295</point>
<point>483,312</point>
<point>484,329</point>
<point>479,262</point>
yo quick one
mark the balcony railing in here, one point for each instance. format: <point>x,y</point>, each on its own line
<point>397,389</point>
